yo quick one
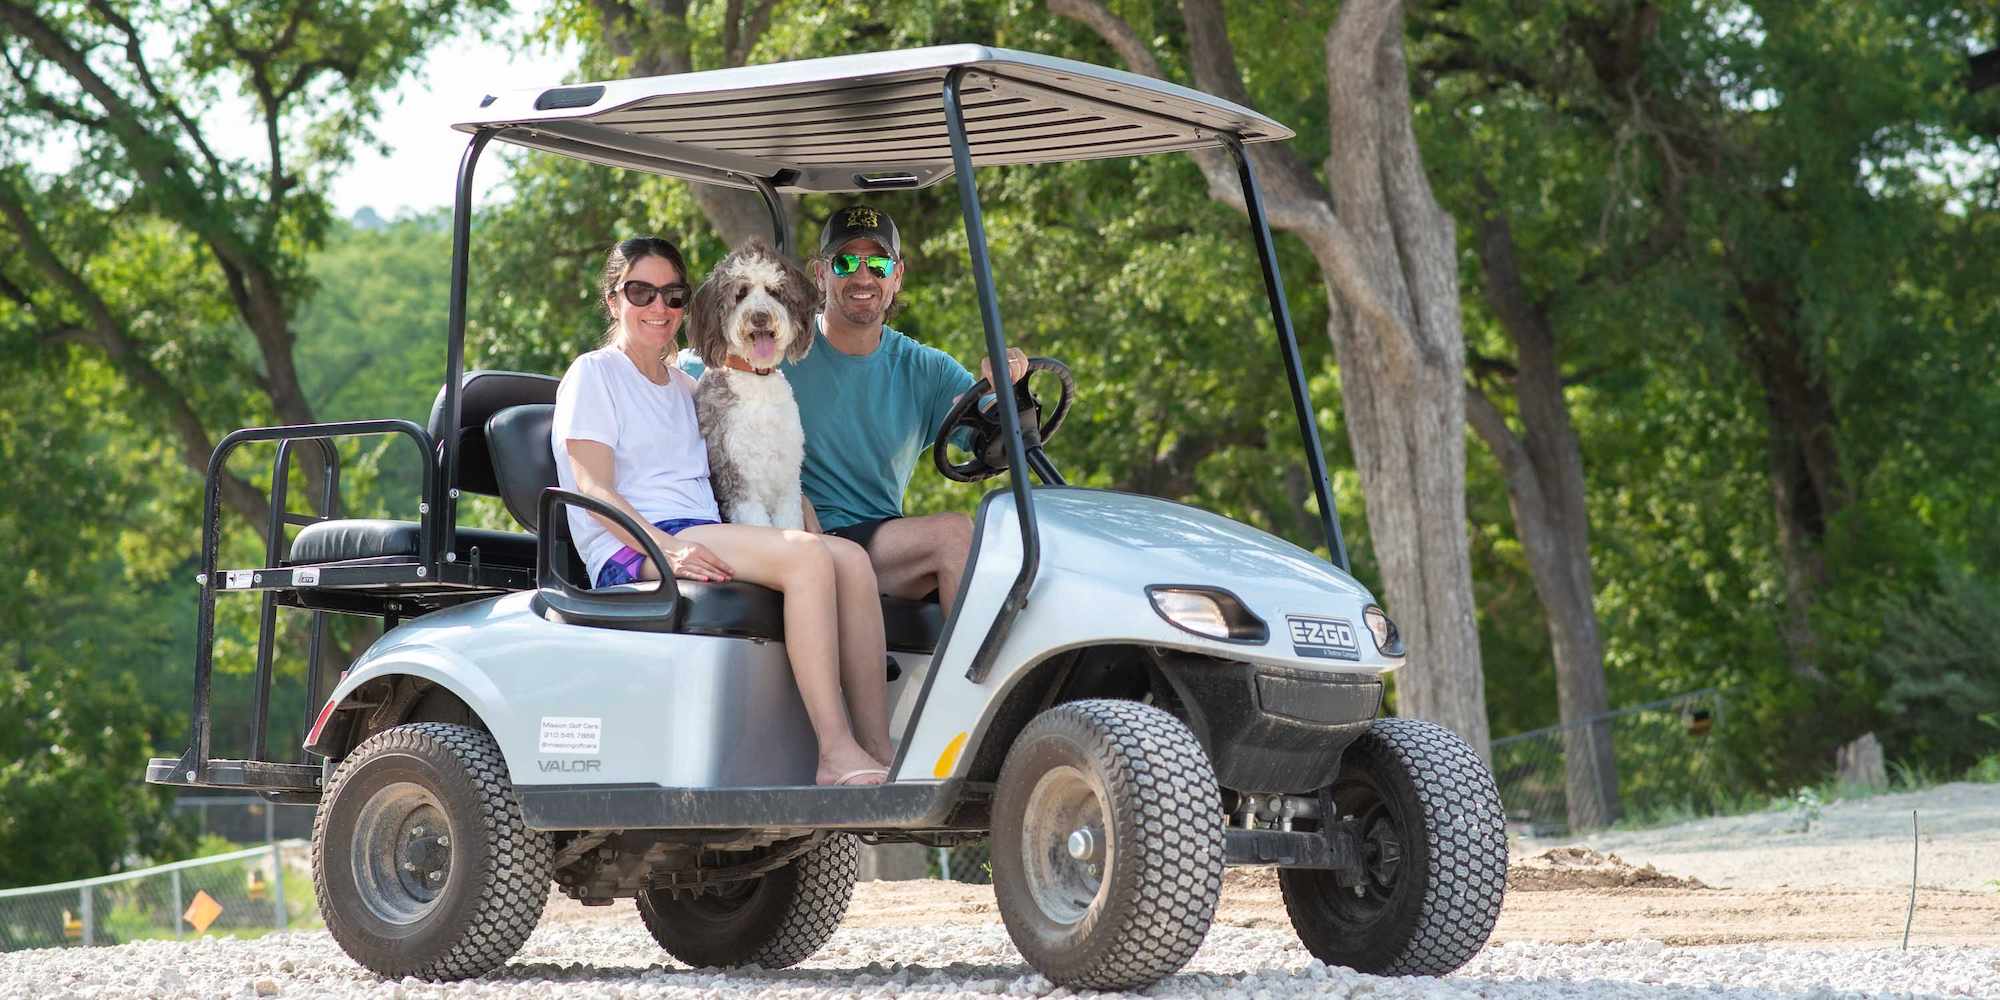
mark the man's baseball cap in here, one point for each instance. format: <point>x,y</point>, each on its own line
<point>856,222</point>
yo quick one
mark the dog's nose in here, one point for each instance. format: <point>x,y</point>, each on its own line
<point>759,319</point>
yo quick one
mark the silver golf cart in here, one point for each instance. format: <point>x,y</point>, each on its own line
<point>1130,694</point>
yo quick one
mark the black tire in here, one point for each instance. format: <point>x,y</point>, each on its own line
<point>1434,841</point>
<point>378,817</point>
<point>775,921</point>
<point>1138,912</point>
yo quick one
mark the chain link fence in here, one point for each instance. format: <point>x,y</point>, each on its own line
<point>246,819</point>
<point>243,893</point>
<point>1667,755</point>
<point>969,863</point>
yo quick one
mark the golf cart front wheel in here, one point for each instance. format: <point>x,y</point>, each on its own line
<point>1107,844</point>
<point>1433,845</point>
<point>775,920</point>
<point>420,858</point>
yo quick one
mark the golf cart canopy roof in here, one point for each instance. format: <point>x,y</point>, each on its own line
<point>865,122</point>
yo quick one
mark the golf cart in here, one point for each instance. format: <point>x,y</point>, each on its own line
<point>1129,695</point>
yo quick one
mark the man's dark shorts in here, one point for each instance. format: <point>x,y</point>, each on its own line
<point>861,532</point>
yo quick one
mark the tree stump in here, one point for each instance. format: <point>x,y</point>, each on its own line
<point>1859,764</point>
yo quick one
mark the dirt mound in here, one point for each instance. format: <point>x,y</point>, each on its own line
<point>1249,879</point>
<point>1582,868</point>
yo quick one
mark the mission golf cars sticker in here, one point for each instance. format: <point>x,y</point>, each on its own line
<point>1323,638</point>
<point>570,734</point>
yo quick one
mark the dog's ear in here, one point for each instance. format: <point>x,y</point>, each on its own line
<point>705,315</point>
<point>798,298</point>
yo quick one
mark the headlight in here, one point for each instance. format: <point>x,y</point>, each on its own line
<point>1207,611</point>
<point>1387,639</point>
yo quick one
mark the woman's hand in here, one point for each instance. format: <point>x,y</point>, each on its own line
<point>693,560</point>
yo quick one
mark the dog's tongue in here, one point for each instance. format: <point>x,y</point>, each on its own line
<point>763,347</point>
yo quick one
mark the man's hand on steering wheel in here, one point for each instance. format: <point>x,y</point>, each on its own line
<point>1017,366</point>
<point>987,443</point>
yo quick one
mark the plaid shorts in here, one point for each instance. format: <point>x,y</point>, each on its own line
<point>625,565</point>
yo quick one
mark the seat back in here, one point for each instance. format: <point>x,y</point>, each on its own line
<point>481,395</point>
<point>522,458</point>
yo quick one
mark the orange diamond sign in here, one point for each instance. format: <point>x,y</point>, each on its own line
<point>202,911</point>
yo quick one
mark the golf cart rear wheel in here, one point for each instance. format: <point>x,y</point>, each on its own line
<point>420,858</point>
<point>776,920</point>
<point>1107,844</point>
<point>1433,850</point>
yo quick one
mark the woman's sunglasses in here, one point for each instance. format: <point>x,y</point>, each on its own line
<point>642,294</point>
<point>845,264</point>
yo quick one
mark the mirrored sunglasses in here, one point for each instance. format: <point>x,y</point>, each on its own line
<point>845,264</point>
<point>641,293</point>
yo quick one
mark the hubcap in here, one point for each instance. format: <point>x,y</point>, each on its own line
<point>402,853</point>
<point>1065,844</point>
<point>1382,831</point>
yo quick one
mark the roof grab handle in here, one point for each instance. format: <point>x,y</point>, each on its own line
<point>886,181</point>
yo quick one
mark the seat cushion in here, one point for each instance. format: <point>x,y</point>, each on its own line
<point>912,626</point>
<point>748,611</point>
<point>370,538</point>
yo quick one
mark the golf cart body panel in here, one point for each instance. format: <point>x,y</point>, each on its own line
<point>1101,551</point>
<point>572,705</point>
<point>865,122</point>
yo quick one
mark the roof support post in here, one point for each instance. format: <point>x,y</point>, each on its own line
<point>1288,345</point>
<point>440,523</point>
<point>996,350</point>
<point>780,228</point>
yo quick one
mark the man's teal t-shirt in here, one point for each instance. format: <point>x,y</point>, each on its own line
<point>868,419</point>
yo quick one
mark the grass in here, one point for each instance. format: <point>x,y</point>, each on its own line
<point>1806,801</point>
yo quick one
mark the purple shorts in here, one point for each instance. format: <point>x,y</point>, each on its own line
<point>625,565</point>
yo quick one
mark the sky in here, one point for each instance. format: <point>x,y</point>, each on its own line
<point>421,170</point>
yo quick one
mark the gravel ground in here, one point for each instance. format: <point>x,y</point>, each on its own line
<point>1799,914</point>
<point>597,959</point>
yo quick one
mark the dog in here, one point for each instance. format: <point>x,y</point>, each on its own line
<point>754,310</point>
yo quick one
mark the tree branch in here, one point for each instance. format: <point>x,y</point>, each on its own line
<point>37,99</point>
<point>103,331</point>
<point>136,56</point>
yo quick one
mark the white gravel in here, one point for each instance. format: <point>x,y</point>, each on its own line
<point>607,960</point>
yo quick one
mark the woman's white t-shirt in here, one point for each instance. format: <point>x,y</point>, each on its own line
<point>661,462</point>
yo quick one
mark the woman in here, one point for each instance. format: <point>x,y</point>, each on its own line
<point>625,434</point>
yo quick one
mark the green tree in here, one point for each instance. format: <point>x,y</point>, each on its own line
<point>149,298</point>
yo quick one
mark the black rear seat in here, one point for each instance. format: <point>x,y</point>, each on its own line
<point>367,538</point>
<point>483,393</point>
<point>524,465</point>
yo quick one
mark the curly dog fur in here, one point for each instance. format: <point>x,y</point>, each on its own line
<point>754,309</point>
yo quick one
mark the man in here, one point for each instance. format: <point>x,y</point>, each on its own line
<point>872,401</point>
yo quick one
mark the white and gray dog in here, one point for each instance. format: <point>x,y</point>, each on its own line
<point>754,310</point>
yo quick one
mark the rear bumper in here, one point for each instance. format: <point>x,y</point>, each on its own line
<point>1273,729</point>
<point>279,782</point>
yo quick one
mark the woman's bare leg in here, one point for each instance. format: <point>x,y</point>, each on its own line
<point>795,564</point>
<point>863,651</point>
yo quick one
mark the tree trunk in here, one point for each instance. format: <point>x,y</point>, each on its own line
<point>1387,256</point>
<point>1808,488</point>
<point>1543,467</point>
<point>657,41</point>
<point>1402,367</point>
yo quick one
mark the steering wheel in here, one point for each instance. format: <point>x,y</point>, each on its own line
<point>989,438</point>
